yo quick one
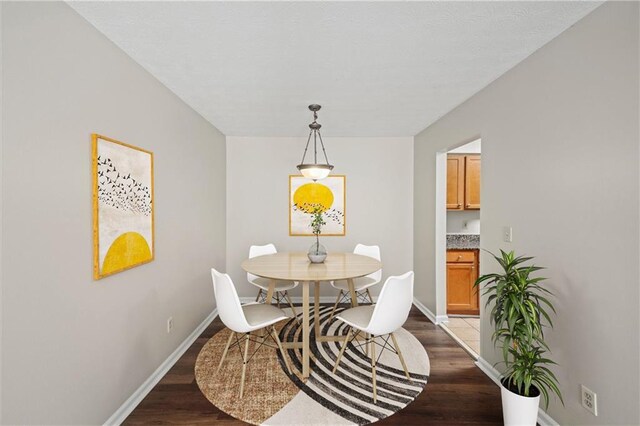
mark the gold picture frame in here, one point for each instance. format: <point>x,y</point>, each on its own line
<point>330,191</point>
<point>123,206</point>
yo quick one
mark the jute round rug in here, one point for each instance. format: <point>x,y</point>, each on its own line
<point>274,397</point>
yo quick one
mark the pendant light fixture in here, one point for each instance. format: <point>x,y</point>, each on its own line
<point>315,170</point>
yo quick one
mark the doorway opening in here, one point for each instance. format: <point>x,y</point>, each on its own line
<point>462,257</point>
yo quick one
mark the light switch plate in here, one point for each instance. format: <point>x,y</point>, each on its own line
<point>507,234</point>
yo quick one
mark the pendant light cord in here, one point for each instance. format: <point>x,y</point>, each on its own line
<point>316,134</point>
<point>315,147</point>
<point>306,146</point>
<point>323,150</point>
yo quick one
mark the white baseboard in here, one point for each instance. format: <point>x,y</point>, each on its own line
<point>489,370</point>
<point>436,319</point>
<point>543,418</point>
<point>132,402</point>
<point>546,420</point>
<point>426,311</point>
<point>442,318</point>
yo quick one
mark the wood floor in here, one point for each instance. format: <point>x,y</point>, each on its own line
<point>457,393</point>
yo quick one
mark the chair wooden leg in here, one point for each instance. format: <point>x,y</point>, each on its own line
<point>344,346</point>
<point>278,297</point>
<point>293,308</point>
<point>284,355</point>
<point>370,298</point>
<point>373,369</point>
<point>335,305</point>
<point>244,363</point>
<point>395,345</point>
<point>226,348</point>
<point>259,294</point>
<point>366,346</point>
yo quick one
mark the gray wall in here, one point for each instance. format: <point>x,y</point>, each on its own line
<point>379,206</point>
<point>74,349</point>
<point>560,164</point>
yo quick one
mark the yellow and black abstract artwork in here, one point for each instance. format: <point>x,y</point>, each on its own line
<point>123,234</point>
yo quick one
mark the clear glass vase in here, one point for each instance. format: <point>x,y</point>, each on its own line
<point>317,253</point>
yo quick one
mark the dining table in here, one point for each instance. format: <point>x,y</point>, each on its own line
<point>295,266</point>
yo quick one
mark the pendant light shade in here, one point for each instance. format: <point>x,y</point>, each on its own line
<point>315,170</point>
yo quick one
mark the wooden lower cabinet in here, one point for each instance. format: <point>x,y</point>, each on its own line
<point>462,273</point>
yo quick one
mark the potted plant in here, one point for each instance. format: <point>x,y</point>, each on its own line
<point>317,253</point>
<point>519,313</point>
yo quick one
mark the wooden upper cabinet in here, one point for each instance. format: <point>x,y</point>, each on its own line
<point>455,182</point>
<point>463,182</point>
<point>472,182</point>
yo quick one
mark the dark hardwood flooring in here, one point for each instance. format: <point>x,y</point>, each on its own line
<point>457,393</point>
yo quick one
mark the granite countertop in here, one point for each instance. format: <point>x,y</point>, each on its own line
<point>463,241</point>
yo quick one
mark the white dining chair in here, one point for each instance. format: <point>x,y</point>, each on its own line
<point>244,319</point>
<point>280,292</point>
<point>380,321</point>
<point>361,284</point>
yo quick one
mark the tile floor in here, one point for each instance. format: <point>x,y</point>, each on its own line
<point>467,329</point>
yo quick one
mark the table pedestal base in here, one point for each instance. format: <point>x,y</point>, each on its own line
<point>304,345</point>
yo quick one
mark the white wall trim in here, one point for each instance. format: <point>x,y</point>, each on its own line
<point>546,420</point>
<point>543,418</point>
<point>132,402</point>
<point>489,370</point>
<point>442,318</point>
<point>426,311</point>
<point>440,241</point>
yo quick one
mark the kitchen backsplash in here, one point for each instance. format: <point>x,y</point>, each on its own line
<point>463,221</point>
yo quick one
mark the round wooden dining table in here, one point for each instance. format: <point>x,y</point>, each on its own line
<point>297,267</point>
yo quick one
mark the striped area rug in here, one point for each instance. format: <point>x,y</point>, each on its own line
<point>274,397</point>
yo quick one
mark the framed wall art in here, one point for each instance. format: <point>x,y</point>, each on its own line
<point>123,233</point>
<point>327,194</point>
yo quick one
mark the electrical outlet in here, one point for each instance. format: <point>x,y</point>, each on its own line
<point>507,234</point>
<point>169,324</point>
<point>589,400</point>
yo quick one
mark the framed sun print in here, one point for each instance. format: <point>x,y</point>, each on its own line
<point>305,195</point>
<point>123,228</point>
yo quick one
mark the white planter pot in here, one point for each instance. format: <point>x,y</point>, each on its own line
<point>519,410</point>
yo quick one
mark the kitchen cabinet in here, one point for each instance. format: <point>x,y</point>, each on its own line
<point>462,273</point>
<point>455,182</point>
<point>463,182</point>
<point>472,182</point>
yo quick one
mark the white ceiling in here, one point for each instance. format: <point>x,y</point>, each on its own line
<point>377,68</point>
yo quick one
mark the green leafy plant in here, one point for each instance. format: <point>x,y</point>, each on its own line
<point>317,221</point>
<point>519,313</point>
<point>316,211</point>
